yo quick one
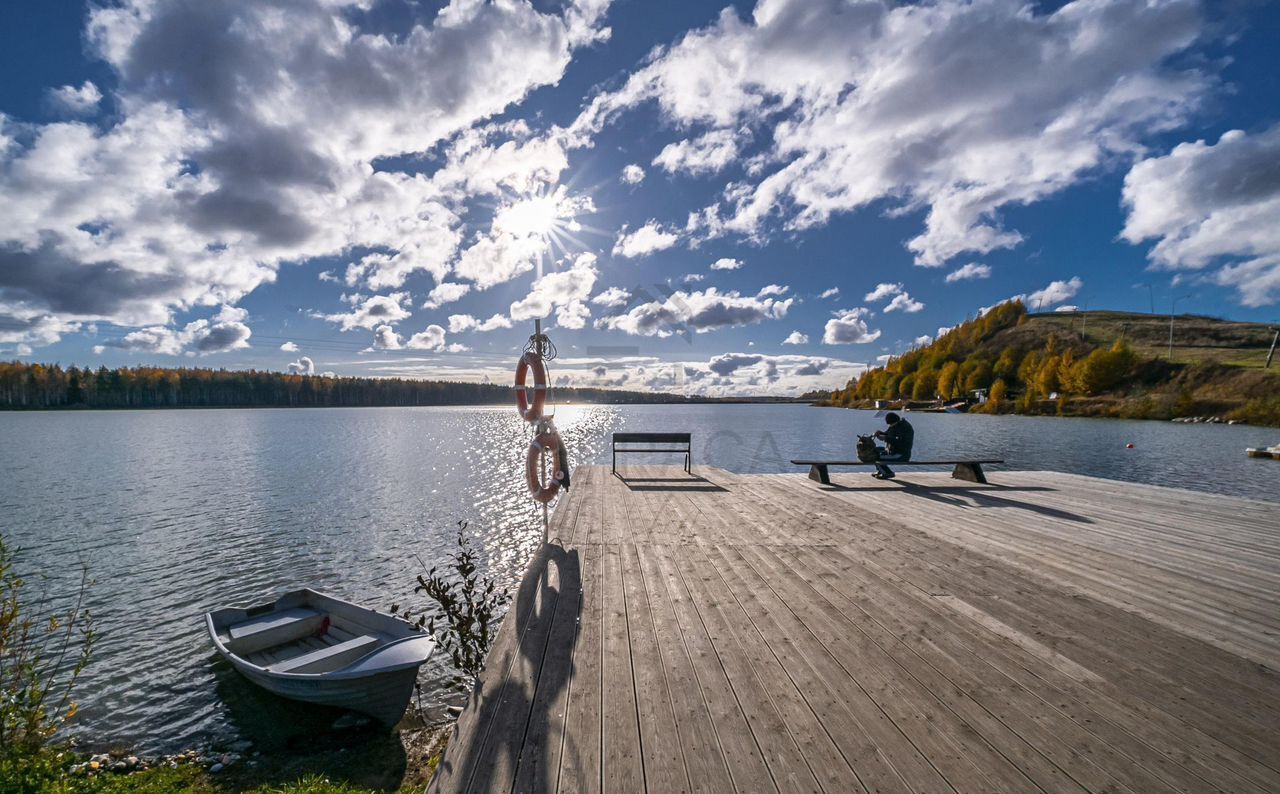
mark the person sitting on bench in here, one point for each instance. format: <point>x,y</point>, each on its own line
<point>897,438</point>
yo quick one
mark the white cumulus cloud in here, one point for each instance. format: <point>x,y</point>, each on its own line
<point>370,312</point>
<point>883,291</point>
<point>696,311</point>
<point>432,338</point>
<point>459,323</point>
<point>1054,292</point>
<point>224,333</point>
<point>76,101</point>
<point>903,302</point>
<point>386,338</point>
<point>303,366</point>
<point>972,270</point>
<point>849,327</point>
<point>446,292</point>
<point>726,263</point>
<point>572,285</point>
<point>953,109</point>
<point>632,174</point>
<point>1206,203</point>
<point>612,298</point>
<point>261,151</point>
<point>706,154</point>
<point>646,240</point>
<point>796,338</point>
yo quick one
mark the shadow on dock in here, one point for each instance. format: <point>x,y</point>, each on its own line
<point>508,718</point>
<point>980,496</point>
<point>690,483</point>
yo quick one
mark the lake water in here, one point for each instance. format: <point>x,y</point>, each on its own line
<point>176,512</point>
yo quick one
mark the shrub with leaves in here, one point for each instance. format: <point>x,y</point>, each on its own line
<point>464,614</point>
<point>41,658</point>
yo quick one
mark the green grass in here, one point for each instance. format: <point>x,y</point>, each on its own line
<point>160,780</point>
<point>192,780</point>
<point>403,762</point>
<point>311,784</point>
<point>1195,339</point>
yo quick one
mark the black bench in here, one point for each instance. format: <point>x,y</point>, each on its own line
<point>970,470</point>
<point>670,439</point>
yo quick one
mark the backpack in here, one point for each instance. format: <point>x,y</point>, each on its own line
<point>867,450</point>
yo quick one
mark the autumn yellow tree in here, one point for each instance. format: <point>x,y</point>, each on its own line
<point>949,379</point>
<point>999,390</point>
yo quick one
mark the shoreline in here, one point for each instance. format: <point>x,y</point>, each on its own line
<point>80,408</point>
<point>361,758</point>
<point>1080,408</point>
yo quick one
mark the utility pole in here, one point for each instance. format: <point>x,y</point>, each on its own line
<point>1272,352</point>
<point>1151,293</point>
<point>1173,309</point>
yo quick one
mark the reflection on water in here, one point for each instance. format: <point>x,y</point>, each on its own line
<point>176,512</point>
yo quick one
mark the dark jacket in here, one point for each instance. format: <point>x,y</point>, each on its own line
<point>898,438</point>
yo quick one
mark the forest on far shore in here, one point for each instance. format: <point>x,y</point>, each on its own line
<point>45,386</point>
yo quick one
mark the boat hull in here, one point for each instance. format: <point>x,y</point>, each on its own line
<point>382,696</point>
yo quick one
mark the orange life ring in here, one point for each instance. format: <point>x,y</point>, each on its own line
<point>531,412</point>
<point>548,442</point>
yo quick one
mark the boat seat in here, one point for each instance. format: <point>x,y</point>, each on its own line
<point>270,621</point>
<point>327,659</point>
<point>273,628</point>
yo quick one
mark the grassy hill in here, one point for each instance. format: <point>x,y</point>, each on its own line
<point>1088,364</point>
<point>1196,339</point>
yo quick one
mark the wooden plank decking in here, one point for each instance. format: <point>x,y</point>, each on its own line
<point>721,632</point>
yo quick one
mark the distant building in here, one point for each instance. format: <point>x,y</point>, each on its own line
<point>978,396</point>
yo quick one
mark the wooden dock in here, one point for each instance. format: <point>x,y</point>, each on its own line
<point>722,632</point>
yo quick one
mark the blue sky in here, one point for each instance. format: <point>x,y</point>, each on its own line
<point>725,199</point>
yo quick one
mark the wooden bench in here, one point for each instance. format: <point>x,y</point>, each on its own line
<point>670,439</point>
<point>275,621</point>
<point>274,628</point>
<point>970,470</point>
<point>328,659</point>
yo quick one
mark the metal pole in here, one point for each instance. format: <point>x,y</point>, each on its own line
<point>540,349</point>
<point>1272,352</point>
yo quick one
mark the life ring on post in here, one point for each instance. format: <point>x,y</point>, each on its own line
<point>548,442</point>
<point>531,412</point>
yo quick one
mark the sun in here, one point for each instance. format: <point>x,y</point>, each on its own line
<point>535,216</point>
<point>544,225</point>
